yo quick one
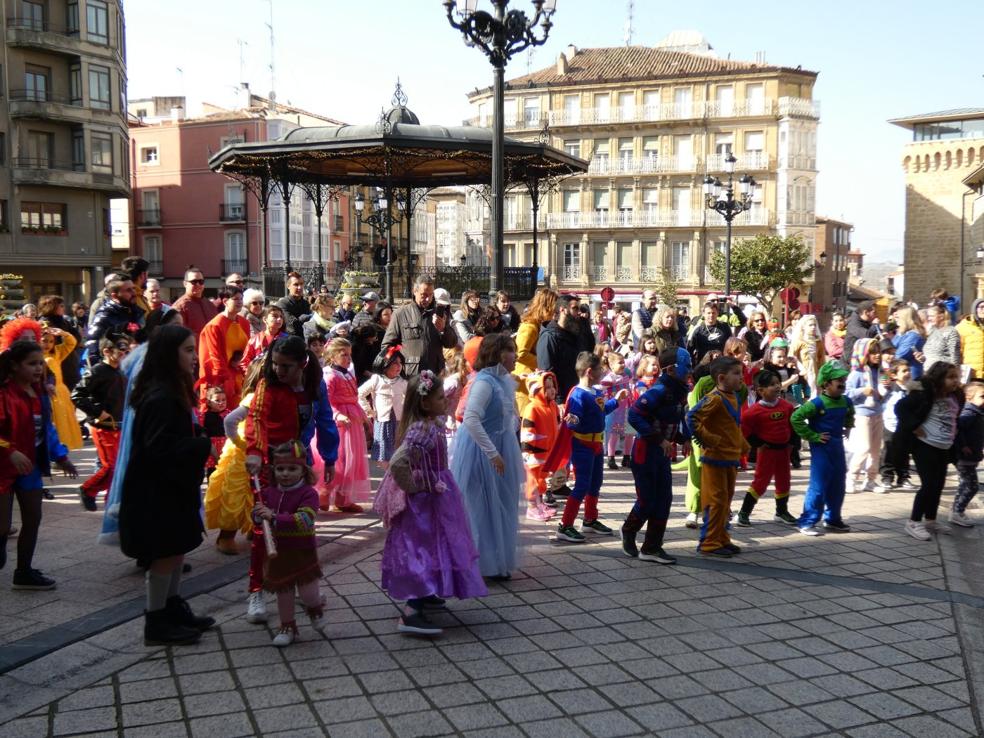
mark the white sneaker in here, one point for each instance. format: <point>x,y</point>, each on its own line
<point>868,486</point>
<point>691,521</point>
<point>917,530</point>
<point>877,487</point>
<point>256,611</point>
<point>938,527</point>
<point>285,636</point>
<point>908,486</point>
<point>960,519</point>
<point>811,530</point>
<point>319,623</point>
<point>850,486</point>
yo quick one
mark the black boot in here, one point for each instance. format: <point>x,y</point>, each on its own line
<point>611,463</point>
<point>747,505</point>
<point>179,611</point>
<point>632,525</point>
<point>160,630</point>
<point>625,461</point>
<point>782,512</point>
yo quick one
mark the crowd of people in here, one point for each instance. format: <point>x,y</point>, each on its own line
<point>477,417</point>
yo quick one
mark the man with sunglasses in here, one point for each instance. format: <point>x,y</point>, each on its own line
<point>195,310</point>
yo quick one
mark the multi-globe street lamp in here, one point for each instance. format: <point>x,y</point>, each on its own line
<point>500,35</point>
<point>381,220</point>
<point>721,198</point>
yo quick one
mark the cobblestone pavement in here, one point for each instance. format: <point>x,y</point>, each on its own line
<point>863,634</point>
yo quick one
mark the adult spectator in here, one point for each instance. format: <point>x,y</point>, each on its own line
<point>950,303</point>
<point>195,310</point>
<point>152,295</point>
<point>29,310</point>
<point>910,339</point>
<point>971,331</point>
<point>324,317</point>
<point>364,316</point>
<point>601,327</point>
<point>79,317</point>
<point>833,340</point>
<point>664,329</point>
<point>539,311</point>
<point>135,267</point>
<point>221,347</point>
<point>421,330</point>
<point>118,315</point>
<point>942,340</point>
<point>253,304</point>
<point>559,344</point>
<point>642,317</point>
<point>297,310</point>
<point>51,311</point>
<point>710,335</point>
<point>580,323</point>
<point>510,318</point>
<point>382,316</point>
<point>860,325</point>
<point>466,315</point>
<point>753,334</point>
<point>345,313</point>
<point>100,297</point>
<point>489,321</point>
<point>234,281</point>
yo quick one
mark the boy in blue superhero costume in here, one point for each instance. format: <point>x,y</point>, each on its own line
<point>822,422</point>
<point>657,417</point>
<point>585,417</point>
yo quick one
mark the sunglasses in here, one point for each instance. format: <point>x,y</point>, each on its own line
<point>196,281</point>
<point>257,302</point>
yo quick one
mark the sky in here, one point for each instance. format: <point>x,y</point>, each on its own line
<point>877,59</point>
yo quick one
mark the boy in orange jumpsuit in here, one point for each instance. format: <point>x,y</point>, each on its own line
<point>538,434</point>
<point>716,423</point>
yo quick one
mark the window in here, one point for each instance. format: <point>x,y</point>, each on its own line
<point>625,200</point>
<point>235,248</point>
<point>651,104</point>
<point>483,114</point>
<point>99,88</point>
<point>3,148</point>
<point>75,84</point>
<point>151,200</point>
<point>601,201</point>
<point>78,150</point>
<point>153,253</point>
<point>626,106</point>
<point>38,217</point>
<point>572,148</point>
<point>650,200</point>
<point>233,205</point>
<point>650,254</point>
<point>679,260</point>
<point>623,254</point>
<point>724,143</point>
<point>72,18</point>
<point>36,83</point>
<point>754,141</point>
<point>681,204</point>
<point>601,150</point>
<point>531,111</point>
<point>572,108</point>
<point>102,150</point>
<point>683,148</point>
<point>40,147</point>
<point>572,260</point>
<point>626,148</point>
<point>32,15</point>
<point>509,110</point>
<point>602,105</point>
<point>572,201</point>
<point>230,140</point>
<point>97,21</point>
<point>4,222</point>
<point>683,101</point>
<point>149,155</point>
<point>725,98</point>
<point>755,94</point>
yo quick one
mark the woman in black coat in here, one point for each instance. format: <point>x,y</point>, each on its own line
<point>159,510</point>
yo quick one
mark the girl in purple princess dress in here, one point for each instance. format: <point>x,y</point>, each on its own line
<point>429,554</point>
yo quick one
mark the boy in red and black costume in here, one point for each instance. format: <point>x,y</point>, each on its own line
<point>767,428</point>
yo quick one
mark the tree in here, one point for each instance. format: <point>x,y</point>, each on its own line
<point>667,289</point>
<point>764,265</point>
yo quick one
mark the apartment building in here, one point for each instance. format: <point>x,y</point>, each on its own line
<point>182,213</point>
<point>832,273</point>
<point>63,142</point>
<point>653,122</point>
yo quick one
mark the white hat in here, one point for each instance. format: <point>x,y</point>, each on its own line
<point>442,296</point>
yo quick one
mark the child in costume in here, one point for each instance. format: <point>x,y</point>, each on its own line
<point>585,415</point>
<point>657,417</point>
<point>794,385</point>
<point>211,419</point>
<point>350,485</point>
<point>617,433</point>
<point>866,388</point>
<point>429,554</point>
<point>806,347</point>
<point>969,448</point>
<point>290,506</point>
<point>382,398</point>
<point>539,427</point>
<point>62,409</point>
<point>715,422</point>
<point>100,395</point>
<point>273,328</point>
<point>767,428</point>
<point>894,461</point>
<point>822,421</point>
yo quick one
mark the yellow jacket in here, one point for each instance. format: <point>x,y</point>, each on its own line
<point>972,343</point>
<point>526,338</point>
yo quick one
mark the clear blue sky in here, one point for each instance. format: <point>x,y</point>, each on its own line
<point>877,59</point>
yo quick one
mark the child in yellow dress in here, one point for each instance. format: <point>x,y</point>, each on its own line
<point>62,409</point>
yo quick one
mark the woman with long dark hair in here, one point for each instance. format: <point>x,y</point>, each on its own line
<point>161,497</point>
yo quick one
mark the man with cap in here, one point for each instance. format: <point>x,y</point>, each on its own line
<point>423,328</point>
<point>364,316</point>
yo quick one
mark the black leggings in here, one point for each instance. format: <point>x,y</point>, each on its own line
<point>29,502</point>
<point>931,463</point>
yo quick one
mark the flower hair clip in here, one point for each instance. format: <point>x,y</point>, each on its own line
<point>425,382</point>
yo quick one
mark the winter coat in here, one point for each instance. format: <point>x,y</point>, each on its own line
<point>971,333</point>
<point>526,362</point>
<point>856,330</point>
<point>464,325</point>
<point>112,318</point>
<point>556,351</point>
<point>102,389</point>
<point>906,346</point>
<point>17,433</point>
<point>414,330</point>
<point>970,434</point>
<point>942,344</point>
<point>705,339</point>
<point>297,311</point>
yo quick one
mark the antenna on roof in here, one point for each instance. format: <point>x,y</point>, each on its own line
<point>630,9</point>
<point>269,25</point>
<point>242,60</point>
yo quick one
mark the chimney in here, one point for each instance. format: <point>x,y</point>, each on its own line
<point>177,114</point>
<point>565,59</point>
<point>562,65</point>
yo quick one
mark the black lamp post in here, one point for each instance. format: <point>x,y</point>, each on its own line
<point>721,198</point>
<point>499,36</point>
<point>381,221</point>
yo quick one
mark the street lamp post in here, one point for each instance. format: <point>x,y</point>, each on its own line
<point>721,198</point>
<point>381,221</point>
<point>500,36</point>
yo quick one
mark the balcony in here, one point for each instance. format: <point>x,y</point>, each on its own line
<point>524,222</point>
<point>798,161</point>
<point>623,273</point>
<point>643,165</point>
<point>237,266</point>
<point>649,273</point>
<point>47,36</point>
<point>149,218</point>
<point>655,112</point>
<point>47,172</point>
<point>598,273</point>
<point>156,268</point>
<point>653,219</point>
<point>797,107</point>
<point>43,105</point>
<point>748,161</point>
<point>571,273</point>
<point>798,218</point>
<point>232,212</point>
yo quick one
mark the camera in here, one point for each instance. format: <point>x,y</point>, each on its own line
<point>442,311</point>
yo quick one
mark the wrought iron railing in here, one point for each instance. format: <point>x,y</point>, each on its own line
<point>232,212</point>
<point>149,217</point>
<point>237,266</point>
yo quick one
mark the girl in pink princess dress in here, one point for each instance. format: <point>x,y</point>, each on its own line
<point>350,485</point>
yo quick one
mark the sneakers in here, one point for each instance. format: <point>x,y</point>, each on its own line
<point>286,635</point>
<point>691,521</point>
<point>917,530</point>
<point>89,503</point>
<point>733,547</point>
<point>568,533</point>
<point>256,611</point>
<point>723,552</point>
<point>810,530</point>
<point>872,486</point>
<point>32,579</point>
<point>784,517</point>
<point>938,527</point>
<point>658,555</point>
<point>959,518</point>
<point>743,521</point>
<point>540,512</point>
<point>433,602</point>
<point>907,486</point>
<point>418,624</point>
<point>318,622</point>
<point>838,527</point>
<point>850,486</point>
<point>596,527</point>
<point>611,463</point>
<point>563,491</point>
<point>46,494</point>
<point>549,500</point>
<point>629,547</point>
